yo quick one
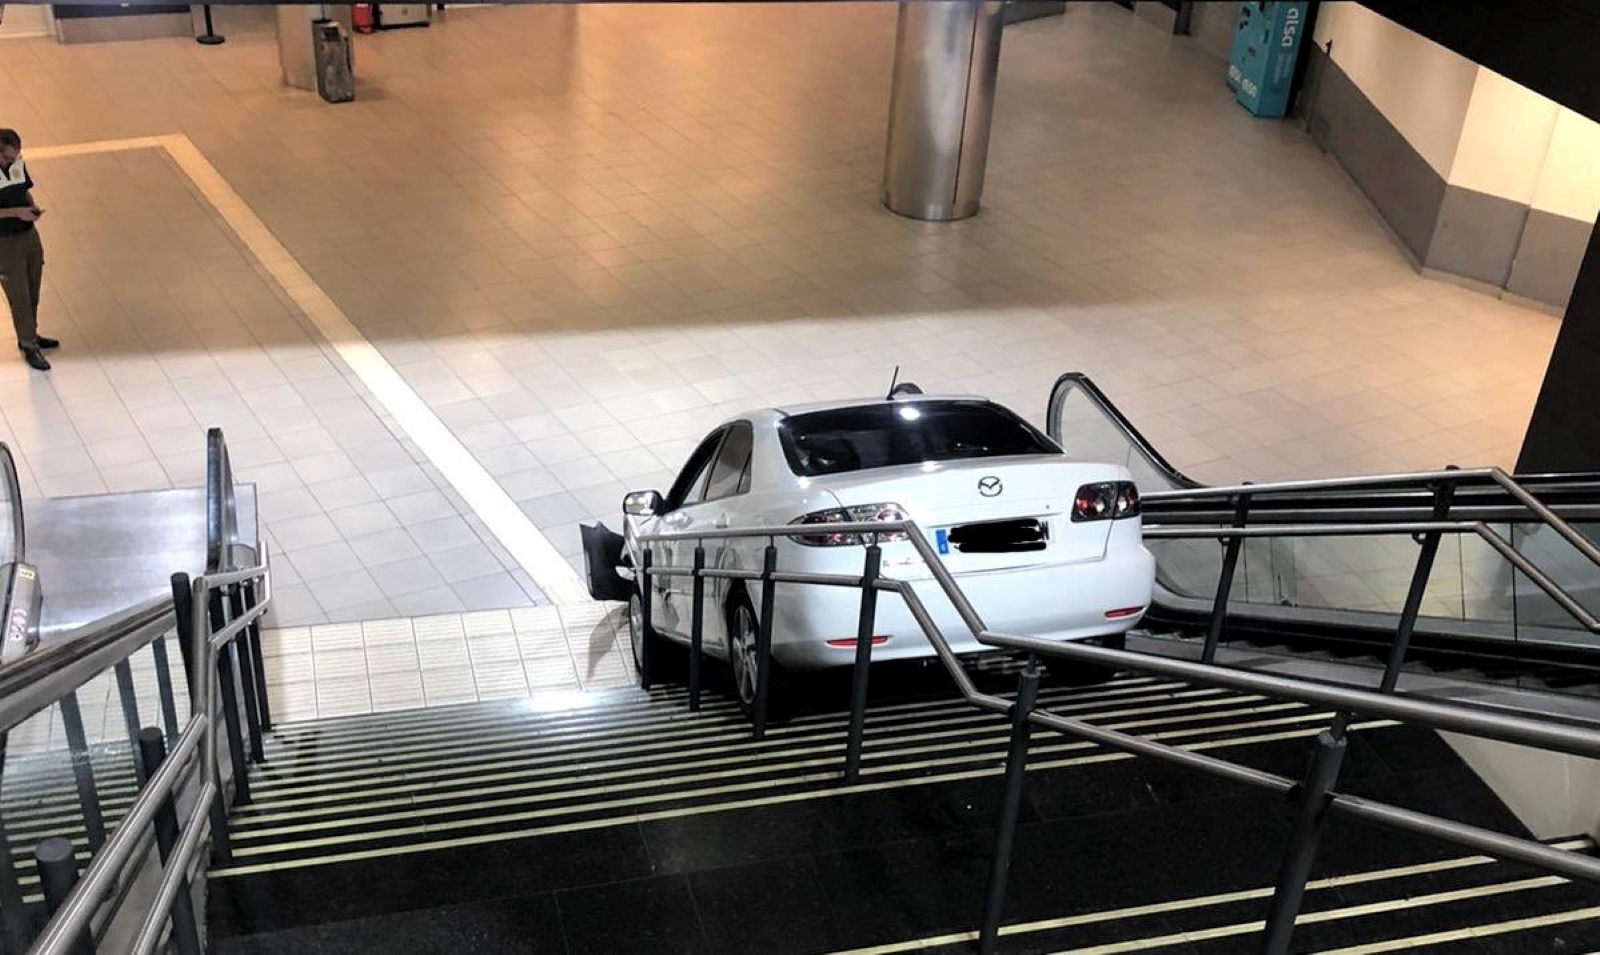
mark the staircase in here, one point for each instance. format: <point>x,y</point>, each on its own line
<point>628,824</point>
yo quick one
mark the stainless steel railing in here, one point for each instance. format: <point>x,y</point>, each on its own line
<point>215,619</point>
<point>1317,793</point>
<point>1294,568</point>
<point>204,620</point>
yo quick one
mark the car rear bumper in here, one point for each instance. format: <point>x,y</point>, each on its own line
<point>1059,602</point>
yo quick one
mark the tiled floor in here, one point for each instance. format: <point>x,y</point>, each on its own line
<point>582,235</point>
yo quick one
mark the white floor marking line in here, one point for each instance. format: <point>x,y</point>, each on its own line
<point>511,527</point>
<point>1194,902</point>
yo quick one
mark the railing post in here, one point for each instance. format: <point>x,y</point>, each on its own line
<point>253,632</point>
<point>769,566</point>
<point>1230,562</point>
<point>169,703</point>
<point>1301,852</point>
<point>229,704</point>
<point>94,823</point>
<point>183,612</point>
<point>1443,492</point>
<point>858,678</point>
<point>185,930</point>
<point>247,676</point>
<point>646,559</point>
<point>1010,806</point>
<point>697,626</point>
<point>58,873</point>
<point>130,711</point>
<point>183,601</point>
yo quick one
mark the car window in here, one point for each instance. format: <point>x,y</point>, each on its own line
<point>889,434</point>
<point>692,479</point>
<point>730,475</point>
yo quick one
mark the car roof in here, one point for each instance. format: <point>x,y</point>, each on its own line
<point>789,410</point>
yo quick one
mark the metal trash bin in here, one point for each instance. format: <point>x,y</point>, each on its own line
<point>331,46</point>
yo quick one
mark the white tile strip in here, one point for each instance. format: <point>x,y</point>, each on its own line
<point>346,669</point>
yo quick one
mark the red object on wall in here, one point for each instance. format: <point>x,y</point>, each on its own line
<point>361,18</point>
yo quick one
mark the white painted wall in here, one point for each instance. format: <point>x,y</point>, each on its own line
<point>1552,794</point>
<point>1420,87</point>
<point>1505,139</point>
<point>19,20</point>
<point>1569,183</point>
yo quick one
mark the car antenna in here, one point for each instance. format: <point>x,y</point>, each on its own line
<point>892,382</point>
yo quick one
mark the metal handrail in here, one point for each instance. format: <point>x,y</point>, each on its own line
<point>1453,476</point>
<point>194,757</point>
<point>1109,408</point>
<point>72,919</point>
<point>1430,713</point>
<point>1316,792</point>
<point>222,512</point>
<point>218,612</point>
<point>43,677</point>
<point>13,490</point>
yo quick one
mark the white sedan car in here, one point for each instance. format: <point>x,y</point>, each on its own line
<point>1042,544</point>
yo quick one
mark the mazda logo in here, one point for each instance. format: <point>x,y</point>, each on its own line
<point>990,486</point>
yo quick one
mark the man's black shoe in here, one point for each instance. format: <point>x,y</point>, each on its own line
<point>35,359</point>
<point>46,344</point>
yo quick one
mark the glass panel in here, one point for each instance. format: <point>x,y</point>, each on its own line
<point>81,742</point>
<point>1535,612</point>
<point>1086,431</point>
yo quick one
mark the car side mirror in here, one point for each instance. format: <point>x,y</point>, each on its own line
<point>642,504</point>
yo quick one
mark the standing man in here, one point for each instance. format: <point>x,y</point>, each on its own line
<point>21,252</point>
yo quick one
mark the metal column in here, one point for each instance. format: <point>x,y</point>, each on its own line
<point>946,61</point>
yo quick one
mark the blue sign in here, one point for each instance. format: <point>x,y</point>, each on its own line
<point>941,540</point>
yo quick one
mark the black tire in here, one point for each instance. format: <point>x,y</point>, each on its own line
<point>665,659</point>
<point>1071,673</point>
<point>742,626</point>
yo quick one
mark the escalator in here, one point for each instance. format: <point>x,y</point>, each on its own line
<point>1328,578</point>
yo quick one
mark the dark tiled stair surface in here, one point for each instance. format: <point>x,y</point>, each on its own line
<point>1110,851</point>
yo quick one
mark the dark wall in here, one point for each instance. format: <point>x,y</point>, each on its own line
<point>1564,432</point>
<point>1549,46</point>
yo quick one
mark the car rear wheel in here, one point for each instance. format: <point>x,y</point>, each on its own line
<point>663,658</point>
<point>744,661</point>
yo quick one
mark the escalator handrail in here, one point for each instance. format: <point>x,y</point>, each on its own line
<point>44,676</point>
<point>1079,380</point>
<point>222,512</point>
<point>13,490</point>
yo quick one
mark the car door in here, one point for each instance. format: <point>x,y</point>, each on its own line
<point>679,514</point>
<point>720,508</point>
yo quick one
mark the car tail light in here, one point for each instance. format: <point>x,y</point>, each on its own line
<point>1106,501</point>
<point>856,514</point>
<point>1123,612</point>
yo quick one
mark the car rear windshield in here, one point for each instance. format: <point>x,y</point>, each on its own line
<point>911,432</point>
